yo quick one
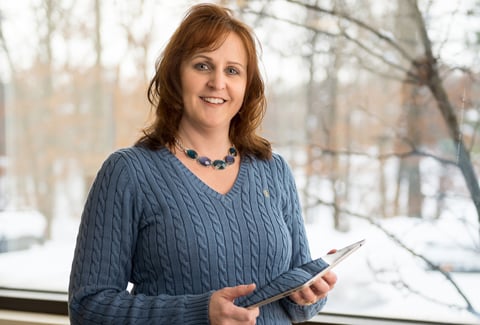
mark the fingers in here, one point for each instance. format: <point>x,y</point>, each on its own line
<point>222,310</point>
<point>330,278</point>
<point>322,286</point>
<point>318,290</point>
<point>238,291</point>
<point>304,297</point>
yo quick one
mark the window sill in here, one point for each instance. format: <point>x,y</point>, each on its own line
<point>51,303</point>
<point>10,317</point>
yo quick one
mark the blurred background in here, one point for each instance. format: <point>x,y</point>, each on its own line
<point>375,104</point>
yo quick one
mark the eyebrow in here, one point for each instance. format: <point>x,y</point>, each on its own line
<point>206,57</point>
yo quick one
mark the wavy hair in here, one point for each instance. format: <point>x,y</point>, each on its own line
<point>204,28</point>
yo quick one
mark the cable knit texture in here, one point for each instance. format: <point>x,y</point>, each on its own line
<point>149,221</point>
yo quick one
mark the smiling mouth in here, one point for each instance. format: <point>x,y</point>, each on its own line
<point>213,100</point>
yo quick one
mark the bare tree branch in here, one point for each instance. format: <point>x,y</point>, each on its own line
<point>401,283</point>
<point>428,66</point>
<point>382,36</point>
<point>4,47</point>
<point>344,34</point>
<point>380,56</point>
<point>376,71</point>
<point>405,154</point>
<point>470,308</point>
<point>291,22</point>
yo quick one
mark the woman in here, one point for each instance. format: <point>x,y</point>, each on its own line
<point>192,232</point>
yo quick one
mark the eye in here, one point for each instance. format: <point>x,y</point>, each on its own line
<point>202,66</point>
<point>232,71</point>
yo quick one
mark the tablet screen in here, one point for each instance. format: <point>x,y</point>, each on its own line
<point>295,279</point>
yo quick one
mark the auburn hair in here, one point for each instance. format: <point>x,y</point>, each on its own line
<point>204,28</point>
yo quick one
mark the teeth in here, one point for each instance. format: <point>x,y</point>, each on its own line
<point>213,100</point>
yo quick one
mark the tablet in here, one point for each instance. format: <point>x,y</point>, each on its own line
<point>296,279</point>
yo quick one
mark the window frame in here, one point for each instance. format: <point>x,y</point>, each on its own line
<point>35,301</point>
<point>56,303</point>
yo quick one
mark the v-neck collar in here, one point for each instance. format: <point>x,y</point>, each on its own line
<point>200,185</point>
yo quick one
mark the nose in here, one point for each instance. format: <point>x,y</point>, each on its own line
<point>217,80</point>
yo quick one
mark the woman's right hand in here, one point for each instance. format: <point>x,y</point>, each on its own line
<point>223,311</point>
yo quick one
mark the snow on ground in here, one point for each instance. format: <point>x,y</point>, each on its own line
<point>42,267</point>
<point>402,286</point>
<point>11,227</point>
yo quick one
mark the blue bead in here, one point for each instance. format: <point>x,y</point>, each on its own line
<point>204,161</point>
<point>191,153</point>
<point>219,164</point>
<point>229,160</point>
<point>232,151</point>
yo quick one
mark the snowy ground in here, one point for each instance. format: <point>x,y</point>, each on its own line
<point>42,267</point>
<point>401,286</point>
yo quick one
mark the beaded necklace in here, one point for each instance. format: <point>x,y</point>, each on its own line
<point>218,164</point>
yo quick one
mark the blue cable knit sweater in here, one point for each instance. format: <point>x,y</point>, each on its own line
<point>149,221</point>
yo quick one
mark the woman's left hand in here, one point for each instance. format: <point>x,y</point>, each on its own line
<point>317,290</point>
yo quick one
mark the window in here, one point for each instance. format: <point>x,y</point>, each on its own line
<point>380,148</point>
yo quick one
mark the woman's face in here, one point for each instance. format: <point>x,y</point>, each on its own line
<point>213,85</point>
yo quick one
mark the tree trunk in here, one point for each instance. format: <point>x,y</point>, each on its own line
<point>432,79</point>
<point>44,152</point>
<point>410,166</point>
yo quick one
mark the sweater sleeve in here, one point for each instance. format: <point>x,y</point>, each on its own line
<point>102,263</point>
<point>300,248</point>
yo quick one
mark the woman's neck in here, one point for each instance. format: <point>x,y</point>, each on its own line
<point>211,143</point>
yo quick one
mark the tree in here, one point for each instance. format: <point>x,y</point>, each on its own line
<point>424,71</point>
<point>65,110</point>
